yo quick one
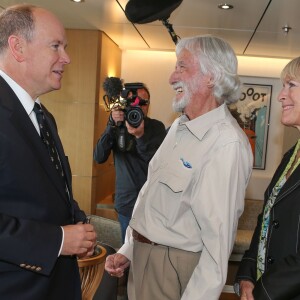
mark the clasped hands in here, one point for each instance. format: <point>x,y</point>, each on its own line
<point>116,264</point>
<point>79,239</point>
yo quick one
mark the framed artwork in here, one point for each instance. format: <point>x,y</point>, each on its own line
<point>252,111</point>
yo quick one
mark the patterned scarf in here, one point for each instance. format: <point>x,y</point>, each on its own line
<point>261,256</point>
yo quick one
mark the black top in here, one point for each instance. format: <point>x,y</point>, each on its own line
<point>281,279</point>
<point>131,164</point>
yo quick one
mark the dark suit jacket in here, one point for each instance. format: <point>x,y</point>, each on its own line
<point>281,279</point>
<point>33,206</point>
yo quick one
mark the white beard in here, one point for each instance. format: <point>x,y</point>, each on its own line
<point>179,105</point>
<point>188,89</point>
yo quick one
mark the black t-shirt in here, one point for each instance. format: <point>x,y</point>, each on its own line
<point>131,164</point>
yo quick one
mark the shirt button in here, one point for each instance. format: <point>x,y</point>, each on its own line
<point>270,260</point>
<point>275,224</point>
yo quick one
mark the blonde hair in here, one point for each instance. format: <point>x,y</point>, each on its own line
<point>291,70</point>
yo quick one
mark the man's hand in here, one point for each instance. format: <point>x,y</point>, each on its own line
<point>246,288</point>
<point>116,264</point>
<point>79,239</point>
<point>137,132</point>
<point>117,116</point>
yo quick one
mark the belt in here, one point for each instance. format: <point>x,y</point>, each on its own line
<point>140,238</point>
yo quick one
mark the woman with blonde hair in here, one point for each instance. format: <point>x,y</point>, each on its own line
<point>270,269</point>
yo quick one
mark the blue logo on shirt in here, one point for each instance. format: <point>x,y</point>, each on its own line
<point>186,163</point>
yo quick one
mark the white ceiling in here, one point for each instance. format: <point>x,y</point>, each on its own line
<point>253,27</point>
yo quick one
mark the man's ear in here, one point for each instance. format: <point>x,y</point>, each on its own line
<point>16,45</point>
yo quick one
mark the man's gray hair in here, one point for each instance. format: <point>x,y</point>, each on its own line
<point>217,59</point>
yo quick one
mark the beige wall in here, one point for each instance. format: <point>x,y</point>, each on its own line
<point>104,174</point>
<point>154,68</point>
<point>77,111</point>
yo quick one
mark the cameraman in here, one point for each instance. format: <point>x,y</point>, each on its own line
<point>132,148</point>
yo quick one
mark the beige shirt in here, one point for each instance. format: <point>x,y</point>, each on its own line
<point>194,196</point>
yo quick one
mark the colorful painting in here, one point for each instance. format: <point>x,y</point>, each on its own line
<point>252,112</point>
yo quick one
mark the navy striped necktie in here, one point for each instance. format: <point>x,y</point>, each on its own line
<point>48,139</point>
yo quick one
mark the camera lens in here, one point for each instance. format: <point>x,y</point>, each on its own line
<point>134,116</point>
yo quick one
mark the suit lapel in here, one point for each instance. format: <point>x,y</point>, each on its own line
<point>293,181</point>
<point>27,132</point>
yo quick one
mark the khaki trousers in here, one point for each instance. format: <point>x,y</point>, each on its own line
<point>159,272</point>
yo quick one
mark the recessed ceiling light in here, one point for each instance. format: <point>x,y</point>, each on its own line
<point>77,1</point>
<point>225,6</point>
<point>286,29</point>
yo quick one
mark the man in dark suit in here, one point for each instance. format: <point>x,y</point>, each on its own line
<point>41,225</point>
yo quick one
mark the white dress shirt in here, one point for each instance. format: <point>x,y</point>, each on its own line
<point>194,196</point>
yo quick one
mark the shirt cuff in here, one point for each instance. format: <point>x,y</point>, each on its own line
<point>236,288</point>
<point>62,241</point>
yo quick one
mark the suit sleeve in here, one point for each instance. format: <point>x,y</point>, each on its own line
<point>280,281</point>
<point>247,268</point>
<point>28,244</point>
<point>79,215</point>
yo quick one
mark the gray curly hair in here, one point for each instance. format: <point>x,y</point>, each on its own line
<point>217,59</point>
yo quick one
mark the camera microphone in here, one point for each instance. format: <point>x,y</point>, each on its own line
<point>113,87</point>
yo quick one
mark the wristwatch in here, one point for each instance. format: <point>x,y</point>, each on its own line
<point>236,288</point>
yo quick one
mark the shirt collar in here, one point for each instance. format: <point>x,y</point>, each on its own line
<point>25,99</point>
<point>200,125</point>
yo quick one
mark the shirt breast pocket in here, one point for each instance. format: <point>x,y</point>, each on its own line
<point>174,182</point>
<point>173,198</point>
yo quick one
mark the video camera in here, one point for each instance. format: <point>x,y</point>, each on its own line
<point>124,98</point>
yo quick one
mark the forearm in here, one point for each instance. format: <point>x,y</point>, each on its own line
<point>127,247</point>
<point>104,146</point>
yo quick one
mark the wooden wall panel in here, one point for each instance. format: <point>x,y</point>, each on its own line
<point>110,66</point>
<point>83,192</point>
<point>78,113</point>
